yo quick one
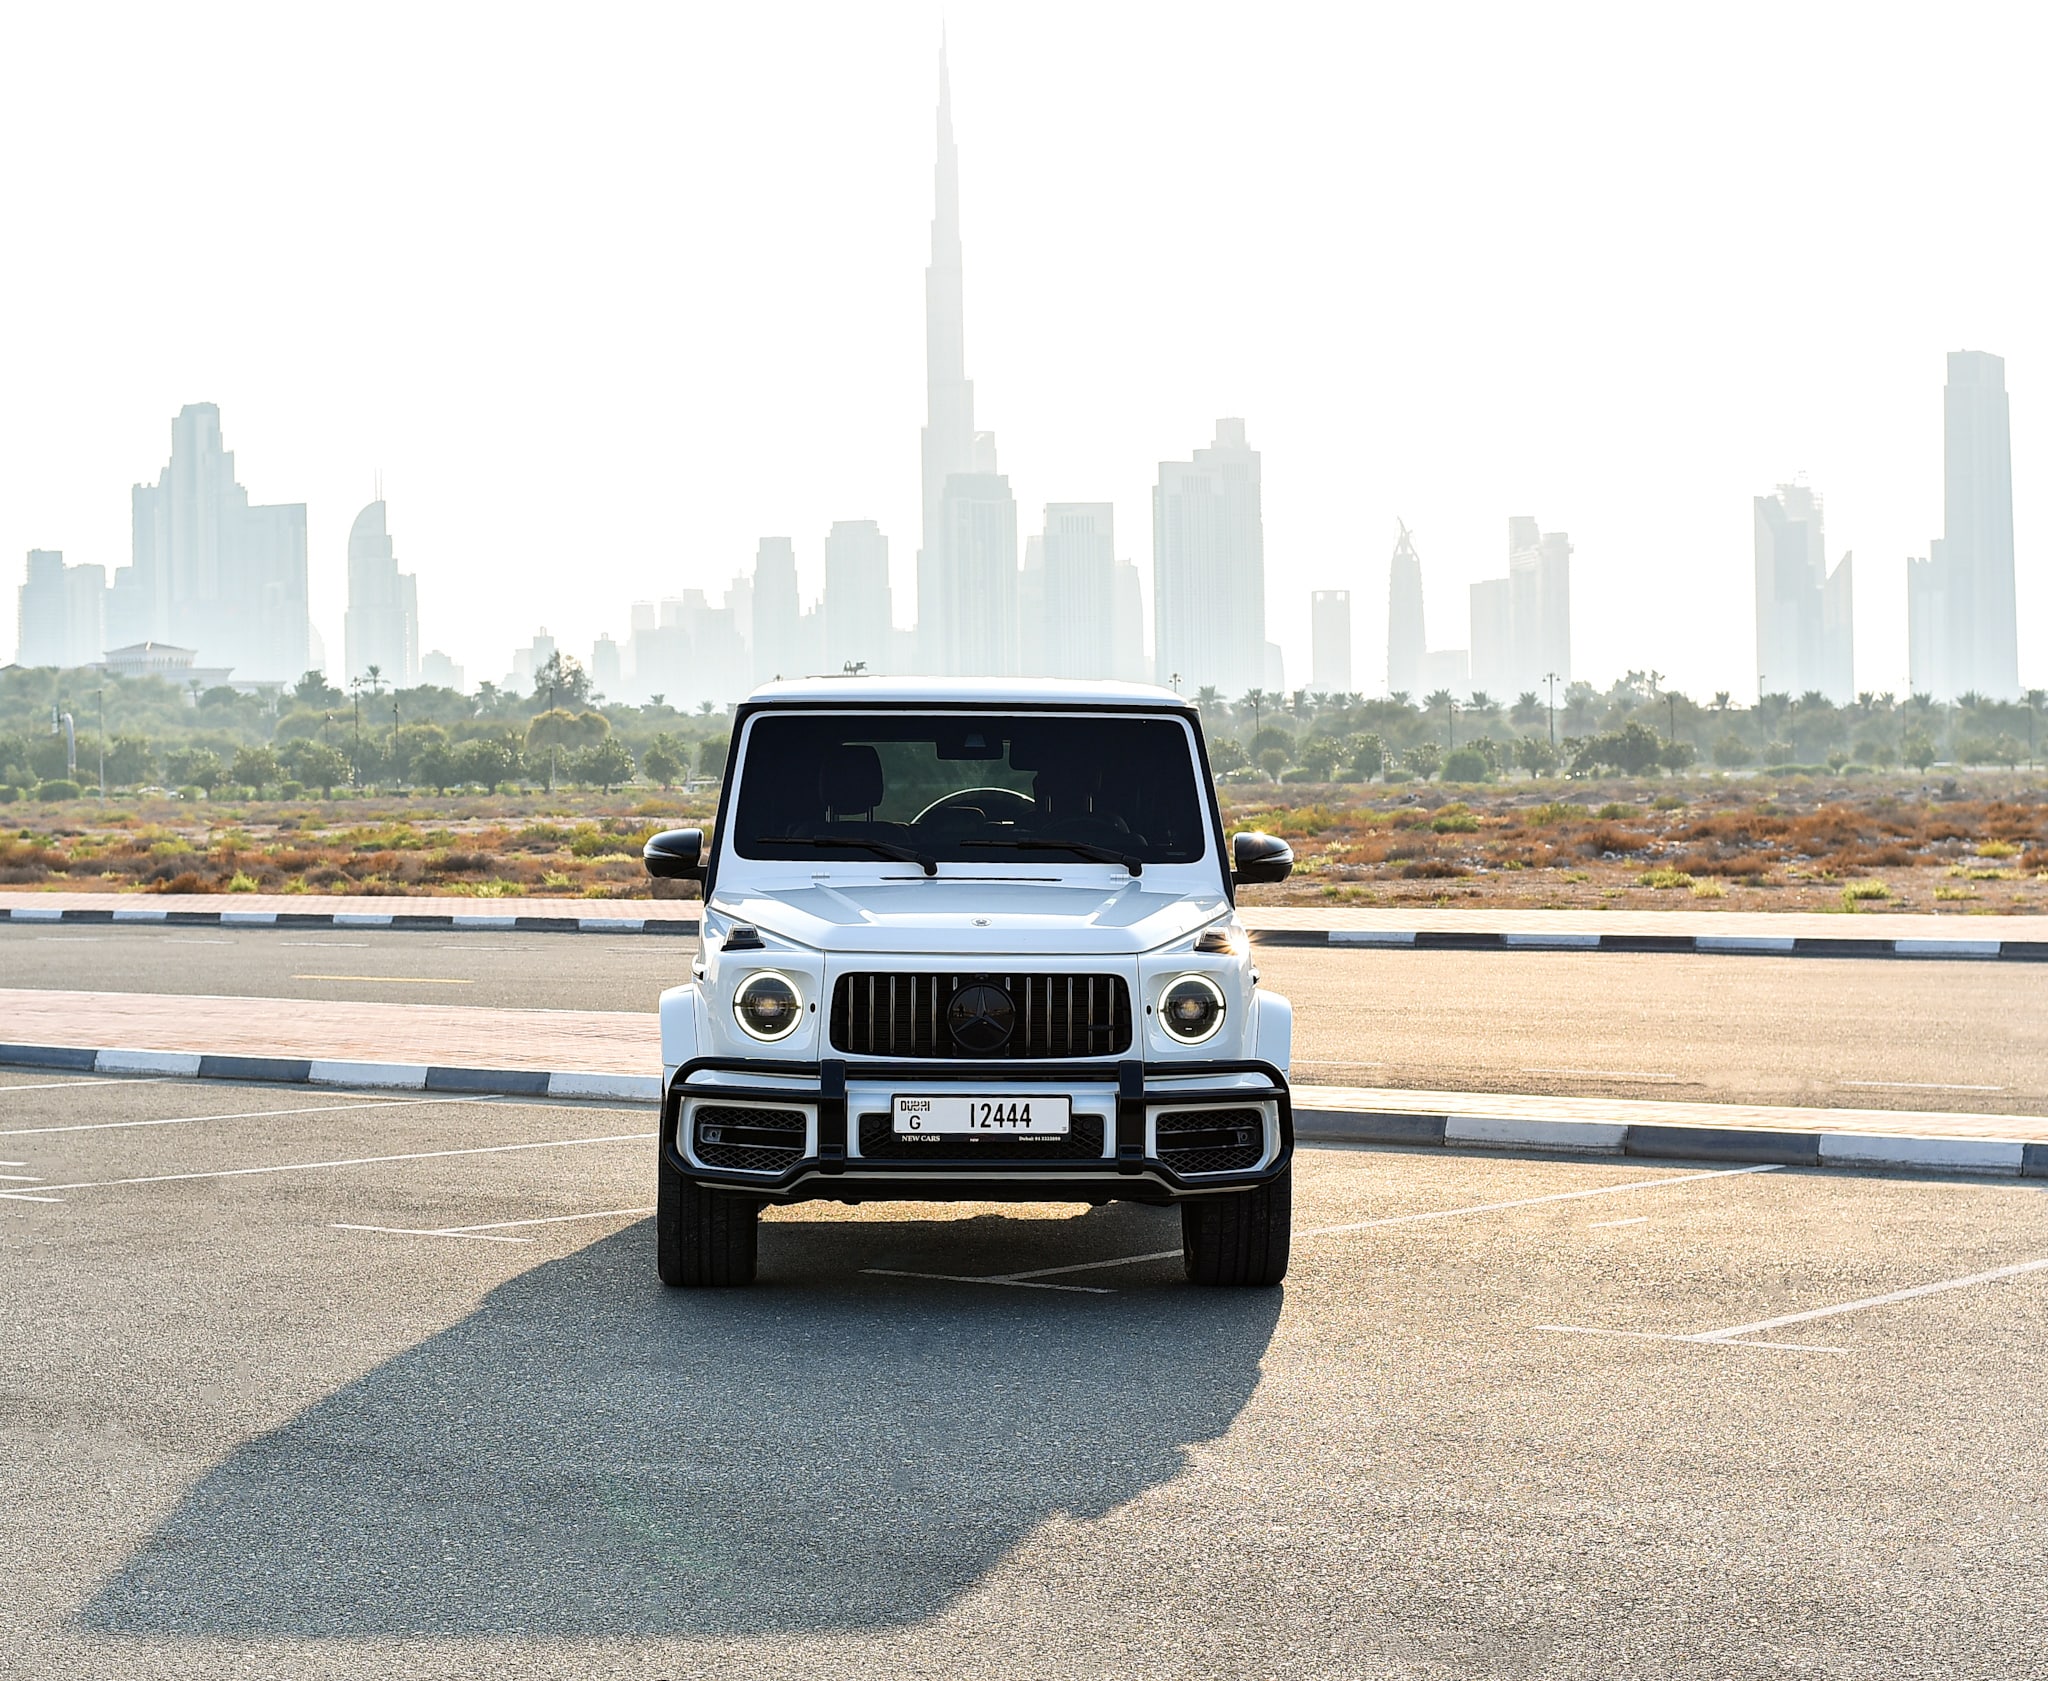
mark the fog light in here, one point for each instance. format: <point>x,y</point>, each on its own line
<point>767,1006</point>
<point>1192,1009</point>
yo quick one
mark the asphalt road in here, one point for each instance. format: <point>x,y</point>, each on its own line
<point>266,1411</point>
<point>1840,1033</point>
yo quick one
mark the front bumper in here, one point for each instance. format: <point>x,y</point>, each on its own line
<point>840,1100</point>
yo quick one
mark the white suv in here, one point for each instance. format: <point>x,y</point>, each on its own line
<point>972,941</point>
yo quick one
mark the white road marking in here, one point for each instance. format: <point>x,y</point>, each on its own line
<point>245,1115</point>
<point>331,945</point>
<point>408,980</point>
<point>1667,1336</point>
<point>25,1178</point>
<point>488,1230</point>
<point>345,1161</point>
<point>28,1196</point>
<point>1008,1283</point>
<point>1531,1202</point>
<point>66,1085</point>
<point>1906,1295</point>
<point>1630,1220</point>
<point>1736,1336</point>
<point>1608,1074</point>
<point>1021,1278</point>
<point>1914,1085</point>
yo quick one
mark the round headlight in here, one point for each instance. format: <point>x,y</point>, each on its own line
<point>767,1006</point>
<point>1192,1009</point>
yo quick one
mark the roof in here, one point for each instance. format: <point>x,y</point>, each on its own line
<point>972,691</point>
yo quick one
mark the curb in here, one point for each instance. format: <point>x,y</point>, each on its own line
<point>1774,1147</point>
<point>1764,1146</point>
<point>1409,939</point>
<point>364,919</point>
<point>356,1076</point>
<point>1742,945</point>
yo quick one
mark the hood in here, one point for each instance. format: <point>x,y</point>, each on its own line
<point>945,917</point>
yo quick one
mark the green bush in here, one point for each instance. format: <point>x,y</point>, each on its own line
<point>1466,764</point>
<point>1615,812</point>
<point>9,793</point>
<point>58,788</point>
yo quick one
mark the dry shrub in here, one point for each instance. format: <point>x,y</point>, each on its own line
<point>1432,869</point>
<point>1603,838</point>
<point>1741,864</point>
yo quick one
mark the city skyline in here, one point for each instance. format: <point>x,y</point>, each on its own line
<point>1637,457</point>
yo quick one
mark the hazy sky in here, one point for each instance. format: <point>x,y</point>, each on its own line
<point>608,294</point>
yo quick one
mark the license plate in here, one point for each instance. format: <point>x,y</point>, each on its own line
<point>979,1115</point>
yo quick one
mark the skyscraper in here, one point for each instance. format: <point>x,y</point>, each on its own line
<point>1961,604</point>
<point>776,611</point>
<point>382,624</point>
<point>210,571</point>
<point>976,632</point>
<point>1539,609</point>
<point>1330,641</point>
<point>1209,567</point>
<point>1493,637</point>
<point>1079,603</point>
<point>949,442</point>
<point>62,612</point>
<point>1805,631</point>
<point>1407,639</point>
<point>859,615</point>
<point>1127,632</point>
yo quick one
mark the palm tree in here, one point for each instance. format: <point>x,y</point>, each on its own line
<point>1721,700</point>
<point>1209,701</point>
<point>1256,700</point>
<point>1528,707</point>
<point>374,673</point>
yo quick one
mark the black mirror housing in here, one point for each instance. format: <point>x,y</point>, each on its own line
<point>1255,857</point>
<point>675,855</point>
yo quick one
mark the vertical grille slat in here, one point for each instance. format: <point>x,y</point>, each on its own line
<point>884,1015</point>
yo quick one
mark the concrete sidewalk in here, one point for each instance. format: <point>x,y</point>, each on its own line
<point>1787,933</point>
<point>602,1054</point>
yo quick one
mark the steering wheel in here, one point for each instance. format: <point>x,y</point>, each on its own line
<point>997,805</point>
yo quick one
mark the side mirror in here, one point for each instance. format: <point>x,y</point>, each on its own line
<point>1258,857</point>
<point>675,855</point>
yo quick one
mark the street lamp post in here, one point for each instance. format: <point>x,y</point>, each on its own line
<point>1550,677</point>
<point>101,693</point>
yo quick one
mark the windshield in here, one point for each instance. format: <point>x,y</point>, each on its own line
<point>970,790</point>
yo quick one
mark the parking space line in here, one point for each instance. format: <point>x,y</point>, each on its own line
<point>25,1178</point>
<point>345,1161</point>
<point>1531,1202</point>
<point>1915,1085</point>
<point>66,1085</point>
<point>1906,1295</point>
<point>1017,1283</point>
<point>488,1231</point>
<point>1025,1278</point>
<point>1739,1336</point>
<point>1627,1220</point>
<point>1673,1336</point>
<point>244,1115</point>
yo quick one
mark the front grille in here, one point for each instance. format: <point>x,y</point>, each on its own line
<point>1212,1140</point>
<point>879,1140</point>
<point>754,1140</point>
<point>877,1015</point>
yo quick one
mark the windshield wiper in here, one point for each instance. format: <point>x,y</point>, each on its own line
<point>881,849</point>
<point>1081,849</point>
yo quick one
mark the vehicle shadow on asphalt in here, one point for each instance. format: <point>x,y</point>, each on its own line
<point>588,1454</point>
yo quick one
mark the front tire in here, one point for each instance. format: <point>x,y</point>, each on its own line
<point>703,1238</point>
<point>1239,1237</point>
